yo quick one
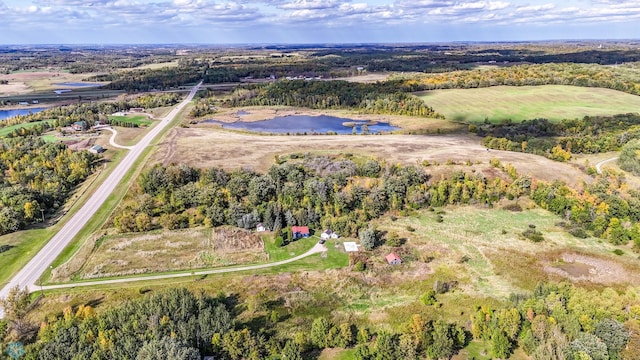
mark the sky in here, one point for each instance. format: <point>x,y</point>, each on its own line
<point>312,21</point>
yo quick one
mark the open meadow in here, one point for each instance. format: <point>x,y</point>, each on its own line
<point>553,102</point>
<point>210,147</point>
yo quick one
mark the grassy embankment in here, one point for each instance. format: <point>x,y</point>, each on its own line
<point>553,102</point>
<point>136,120</point>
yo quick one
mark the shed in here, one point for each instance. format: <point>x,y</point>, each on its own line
<point>393,259</point>
<point>97,149</point>
<point>260,227</point>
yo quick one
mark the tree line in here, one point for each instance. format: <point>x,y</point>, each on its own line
<point>379,98</point>
<point>343,195</point>
<point>624,78</point>
<point>167,78</point>
<point>557,141</point>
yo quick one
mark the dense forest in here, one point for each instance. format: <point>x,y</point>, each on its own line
<point>345,195</point>
<point>37,178</point>
<point>557,141</point>
<point>379,98</point>
<point>554,321</point>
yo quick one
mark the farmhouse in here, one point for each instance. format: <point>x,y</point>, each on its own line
<point>79,126</point>
<point>97,149</point>
<point>393,259</point>
<point>260,227</point>
<point>136,110</point>
<point>300,232</point>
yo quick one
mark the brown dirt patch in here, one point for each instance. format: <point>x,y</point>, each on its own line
<point>130,254</point>
<point>204,147</point>
<point>80,144</point>
<point>231,239</point>
<point>579,267</point>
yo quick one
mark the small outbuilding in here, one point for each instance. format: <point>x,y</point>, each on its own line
<point>299,232</point>
<point>260,228</point>
<point>97,149</point>
<point>329,234</point>
<point>393,259</point>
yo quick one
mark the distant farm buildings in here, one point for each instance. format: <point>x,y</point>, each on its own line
<point>79,126</point>
<point>329,234</point>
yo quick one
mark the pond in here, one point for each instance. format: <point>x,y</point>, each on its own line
<point>77,84</point>
<point>308,124</point>
<point>5,114</point>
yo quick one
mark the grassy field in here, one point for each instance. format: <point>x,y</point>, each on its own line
<point>139,120</point>
<point>206,147</point>
<point>554,102</point>
<point>9,129</point>
<point>481,249</point>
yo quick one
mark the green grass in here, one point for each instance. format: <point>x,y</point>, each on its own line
<point>553,102</point>
<point>295,248</point>
<point>139,120</point>
<point>9,129</point>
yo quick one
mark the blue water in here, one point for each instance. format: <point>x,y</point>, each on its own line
<point>77,84</point>
<point>5,114</point>
<point>305,124</point>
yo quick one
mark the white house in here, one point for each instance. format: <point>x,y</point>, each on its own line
<point>329,234</point>
<point>260,228</point>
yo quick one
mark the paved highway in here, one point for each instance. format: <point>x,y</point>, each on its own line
<point>30,274</point>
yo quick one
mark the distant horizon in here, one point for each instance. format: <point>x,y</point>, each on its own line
<point>226,22</point>
<point>329,44</point>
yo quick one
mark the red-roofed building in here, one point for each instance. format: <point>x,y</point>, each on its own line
<point>300,232</point>
<point>393,259</point>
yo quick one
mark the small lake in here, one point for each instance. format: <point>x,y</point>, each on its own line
<point>77,84</point>
<point>307,124</point>
<point>5,114</point>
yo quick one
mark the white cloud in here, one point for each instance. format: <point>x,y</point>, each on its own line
<point>308,16</point>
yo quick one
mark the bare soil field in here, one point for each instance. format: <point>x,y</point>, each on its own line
<point>578,267</point>
<point>204,147</point>
<point>129,254</point>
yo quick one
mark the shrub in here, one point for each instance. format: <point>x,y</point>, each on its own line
<point>428,298</point>
<point>533,235</point>
<point>578,232</point>
<point>618,252</point>
<point>4,248</point>
<point>279,241</point>
<point>359,266</point>
<point>410,229</point>
<point>393,239</point>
